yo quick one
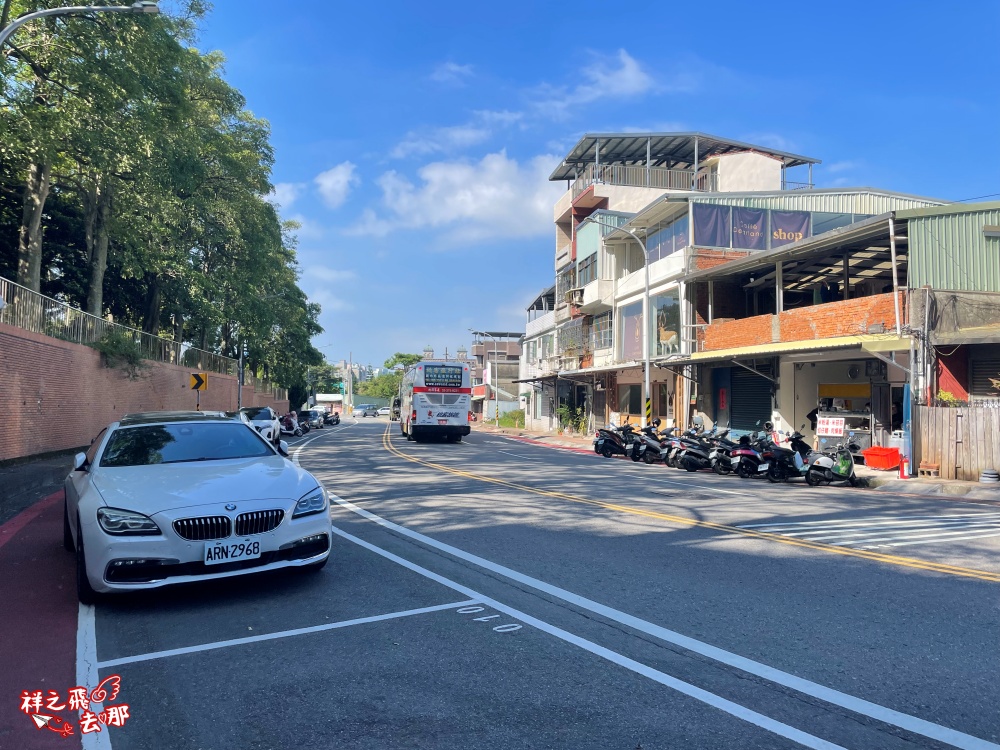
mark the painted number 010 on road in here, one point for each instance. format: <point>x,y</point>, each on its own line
<point>508,628</point>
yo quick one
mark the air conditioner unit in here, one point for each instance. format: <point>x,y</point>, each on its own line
<point>574,297</point>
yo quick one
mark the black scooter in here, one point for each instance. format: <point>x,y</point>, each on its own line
<point>610,441</point>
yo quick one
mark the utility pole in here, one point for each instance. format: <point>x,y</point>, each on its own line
<point>350,380</point>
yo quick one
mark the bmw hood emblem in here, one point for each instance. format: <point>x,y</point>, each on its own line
<point>230,506</point>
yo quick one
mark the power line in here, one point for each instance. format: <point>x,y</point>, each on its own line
<point>978,197</point>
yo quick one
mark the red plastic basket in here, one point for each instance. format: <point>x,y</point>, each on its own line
<point>881,458</point>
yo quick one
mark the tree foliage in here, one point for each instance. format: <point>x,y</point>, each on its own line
<point>134,183</point>
<point>385,385</point>
<point>399,358</point>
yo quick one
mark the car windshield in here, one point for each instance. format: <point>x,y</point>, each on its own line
<point>177,443</point>
<point>257,412</point>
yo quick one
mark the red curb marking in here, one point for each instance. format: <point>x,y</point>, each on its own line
<point>26,516</point>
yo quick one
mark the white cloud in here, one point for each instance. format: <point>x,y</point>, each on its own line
<point>439,140</point>
<point>771,140</point>
<point>493,198</point>
<point>335,184</point>
<point>452,73</point>
<point>842,166</point>
<point>328,301</point>
<point>619,77</point>
<point>285,194</point>
<point>307,229</point>
<point>498,117</point>
<point>329,274</point>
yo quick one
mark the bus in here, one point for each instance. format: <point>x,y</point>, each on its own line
<point>435,398</point>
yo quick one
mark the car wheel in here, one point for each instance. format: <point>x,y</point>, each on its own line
<point>67,532</point>
<point>316,566</point>
<point>84,591</point>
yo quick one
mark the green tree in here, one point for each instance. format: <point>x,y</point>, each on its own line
<point>385,385</point>
<point>399,358</point>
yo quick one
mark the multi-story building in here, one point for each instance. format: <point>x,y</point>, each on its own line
<point>690,210</point>
<point>497,357</point>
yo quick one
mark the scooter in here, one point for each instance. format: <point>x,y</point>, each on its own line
<point>649,445</point>
<point>747,460</point>
<point>609,441</point>
<point>697,452</point>
<point>332,418</point>
<point>833,466</point>
<point>785,463</point>
<point>289,427</point>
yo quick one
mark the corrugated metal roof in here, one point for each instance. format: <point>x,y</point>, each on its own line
<point>860,200</point>
<point>949,250</point>
<point>676,148</point>
<point>951,208</point>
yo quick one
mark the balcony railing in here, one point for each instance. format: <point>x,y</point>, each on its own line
<point>31,311</point>
<point>638,176</point>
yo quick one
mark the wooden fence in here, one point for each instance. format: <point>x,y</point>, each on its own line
<point>962,441</point>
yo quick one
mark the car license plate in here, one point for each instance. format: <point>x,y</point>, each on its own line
<point>735,460</point>
<point>223,552</point>
<point>763,467</point>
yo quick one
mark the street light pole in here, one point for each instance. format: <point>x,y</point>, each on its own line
<point>647,404</point>
<point>141,7</point>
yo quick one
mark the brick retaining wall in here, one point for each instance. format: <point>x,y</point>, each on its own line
<point>56,395</point>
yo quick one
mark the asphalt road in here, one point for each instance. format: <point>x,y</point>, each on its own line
<point>496,593</point>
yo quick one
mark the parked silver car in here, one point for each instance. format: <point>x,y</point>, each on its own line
<point>366,410</point>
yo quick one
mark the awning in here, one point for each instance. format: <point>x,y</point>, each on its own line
<point>872,342</point>
<point>537,379</point>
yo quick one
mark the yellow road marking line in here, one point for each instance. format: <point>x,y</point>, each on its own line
<point>908,562</point>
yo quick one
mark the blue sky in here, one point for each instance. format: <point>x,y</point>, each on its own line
<point>413,141</point>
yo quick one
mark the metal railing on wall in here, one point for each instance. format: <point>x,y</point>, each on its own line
<point>34,312</point>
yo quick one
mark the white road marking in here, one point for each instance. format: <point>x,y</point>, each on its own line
<point>518,455</point>
<point>279,634</point>
<point>872,520</point>
<point>800,684</point>
<point>866,533</point>
<point>87,674</point>
<point>304,443</point>
<point>711,699</point>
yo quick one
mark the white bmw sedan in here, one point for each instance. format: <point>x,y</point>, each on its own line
<point>170,497</point>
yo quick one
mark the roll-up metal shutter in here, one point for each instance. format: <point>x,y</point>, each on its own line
<point>984,368</point>
<point>751,399</point>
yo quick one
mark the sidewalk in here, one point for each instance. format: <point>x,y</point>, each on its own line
<point>885,481</point>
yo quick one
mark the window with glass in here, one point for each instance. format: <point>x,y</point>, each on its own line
<point>603,332</point>
<point>587,270</point>
<point>630,399</point>
<point>665,324</point>
<point>630,332</point>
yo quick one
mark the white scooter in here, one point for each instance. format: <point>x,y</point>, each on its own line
<point>835,466</point>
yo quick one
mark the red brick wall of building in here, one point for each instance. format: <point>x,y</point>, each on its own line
<point>846,318</point>
<point>56,395</point>
<point>735,333</point>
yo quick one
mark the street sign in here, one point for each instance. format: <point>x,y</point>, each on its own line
<point>199,382</point>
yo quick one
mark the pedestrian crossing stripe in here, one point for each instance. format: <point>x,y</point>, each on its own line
<point>880,532</point>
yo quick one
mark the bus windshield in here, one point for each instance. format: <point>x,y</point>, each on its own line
<point>447,376</point>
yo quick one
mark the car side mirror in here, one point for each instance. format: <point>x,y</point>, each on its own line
<point>283,448</point>
<point>80,462</point>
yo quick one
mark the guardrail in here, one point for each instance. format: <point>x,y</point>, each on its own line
<point>34,312</point>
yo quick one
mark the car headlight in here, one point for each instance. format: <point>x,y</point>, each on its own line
<point>126,522</point>
<point>314,502</point>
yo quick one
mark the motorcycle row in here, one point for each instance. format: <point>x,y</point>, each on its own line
<point>758,454</point>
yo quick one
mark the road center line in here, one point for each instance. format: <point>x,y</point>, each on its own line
<point>280,634</point>
<point>802,685</point>
<point>711,699</point>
